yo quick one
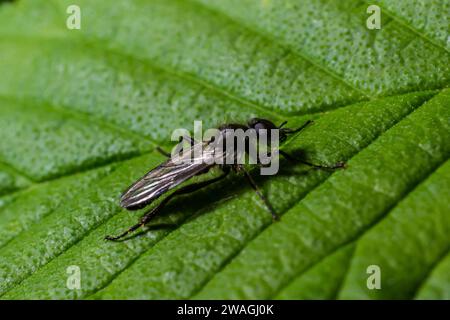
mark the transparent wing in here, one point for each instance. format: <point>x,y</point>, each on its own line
<point>200,157</point>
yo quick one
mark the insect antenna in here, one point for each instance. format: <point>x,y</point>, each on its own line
<point>282,124</point>
<point>303,126</point>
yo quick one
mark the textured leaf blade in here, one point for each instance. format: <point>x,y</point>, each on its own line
<point>339,212</point>
<point>75,105</point>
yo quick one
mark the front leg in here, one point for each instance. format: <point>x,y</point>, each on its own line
<point>163,152</point>
<point>240,168</point>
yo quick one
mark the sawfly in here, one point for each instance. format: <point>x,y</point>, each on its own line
<point>200,157</point>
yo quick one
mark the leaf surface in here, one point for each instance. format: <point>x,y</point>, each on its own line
<point>81,112</point>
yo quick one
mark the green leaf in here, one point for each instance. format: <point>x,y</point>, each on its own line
<point>11,180</point>
<point>81,112</point>
<point>311,285</point>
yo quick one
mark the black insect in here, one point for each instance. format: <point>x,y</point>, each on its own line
<point>173,172</point>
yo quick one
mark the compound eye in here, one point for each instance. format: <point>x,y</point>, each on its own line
<point>258,126</point>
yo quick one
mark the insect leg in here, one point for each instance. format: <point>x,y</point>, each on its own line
<point>318,166</point>
<point>151,213</point>
<point>259,193</point>
<point>163,152</point>
<point>307,123</point>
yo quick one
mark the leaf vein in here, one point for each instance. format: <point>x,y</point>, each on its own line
<point>300,54</point>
